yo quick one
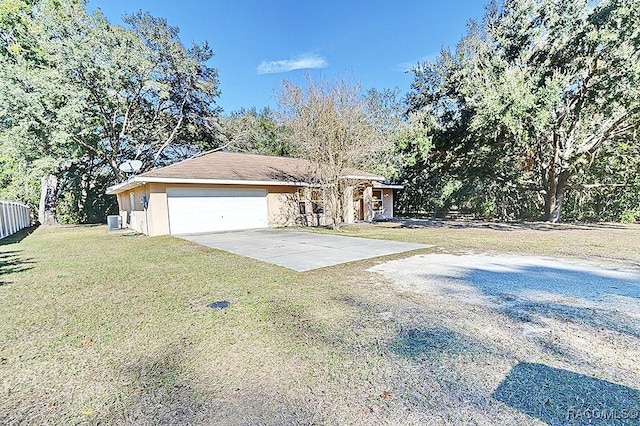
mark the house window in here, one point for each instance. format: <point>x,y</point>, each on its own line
<point>317,201</point>
<point>302,201</point>
<point>376,201</point>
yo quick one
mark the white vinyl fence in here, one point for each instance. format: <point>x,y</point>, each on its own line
<point>13,217</point>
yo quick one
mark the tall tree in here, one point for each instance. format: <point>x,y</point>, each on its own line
<point>28,148</point>
<point>387,110</point>
<point>531,97</point>
<point>111,93</point>
<point>335,128</point>
<point>255,131</point>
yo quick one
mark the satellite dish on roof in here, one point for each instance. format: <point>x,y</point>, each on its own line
<point>130,166</point>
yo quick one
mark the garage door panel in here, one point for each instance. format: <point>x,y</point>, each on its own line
<point>206,210</point>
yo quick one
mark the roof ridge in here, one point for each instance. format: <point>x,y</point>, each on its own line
<point>224,152</point>
<point>248,166</point>
<point>236,167</point>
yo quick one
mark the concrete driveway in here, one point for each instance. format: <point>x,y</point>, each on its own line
<point>299,250</point>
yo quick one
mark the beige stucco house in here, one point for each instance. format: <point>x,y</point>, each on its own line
<point>227,191</point>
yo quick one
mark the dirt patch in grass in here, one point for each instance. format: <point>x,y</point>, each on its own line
<point>581,322</point>
<point>96,327</point>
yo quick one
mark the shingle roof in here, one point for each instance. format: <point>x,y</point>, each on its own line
<point>244,167</point>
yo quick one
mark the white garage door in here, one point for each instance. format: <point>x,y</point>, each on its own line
<point>206,210</point>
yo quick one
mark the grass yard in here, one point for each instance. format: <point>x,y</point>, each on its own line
<point>99,327</point>
<point>607,242</point>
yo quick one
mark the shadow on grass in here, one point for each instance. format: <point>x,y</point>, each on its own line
<point>420,342</point>
<point>160,392</point>
<point>431,343</point>
<point>10,260</point>
<point>82,225</point>
<point>18,236</point>
<point>558,396</point>
<point>11,263</point>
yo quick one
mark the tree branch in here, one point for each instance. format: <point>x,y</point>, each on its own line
<point>174,132</point>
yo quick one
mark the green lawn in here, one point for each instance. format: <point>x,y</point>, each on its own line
<point>99,327</point>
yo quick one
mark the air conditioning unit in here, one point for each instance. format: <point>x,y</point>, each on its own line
<point>114,222</point>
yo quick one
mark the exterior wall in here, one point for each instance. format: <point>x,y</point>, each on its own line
<point>367,200</point>
<point>358,205</point>
<point>123,209</point>
<point>387,205</point>
<point>158,211</point>
<point>134,215</point>
<point>349,213</point>
<point>385,210</point>
<point>283,208</point>
<point>138,217</point>
<point>310,218</point>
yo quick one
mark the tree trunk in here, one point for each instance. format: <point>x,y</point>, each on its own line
<point>335,206</point>
<point>554,196</point>
<point>333,202</point>
<point>48,201</point>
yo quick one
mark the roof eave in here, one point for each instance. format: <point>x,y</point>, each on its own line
<point>362,177</point>
<point>142,180</point>
<point>120,187</point>
<point>387,185</point>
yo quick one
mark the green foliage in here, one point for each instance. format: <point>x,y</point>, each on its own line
<point>255,131</point>
<point>617,173</point>
<point>386,112</point>
<point>630,216</point>
<point>535,104</point>
<point>16,39</point>
<point>82,188</point>
<point>79,95</point>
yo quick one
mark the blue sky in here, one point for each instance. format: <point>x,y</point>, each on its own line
<point>257,44</point>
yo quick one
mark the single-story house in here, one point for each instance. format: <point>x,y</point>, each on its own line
<point>227,191</point>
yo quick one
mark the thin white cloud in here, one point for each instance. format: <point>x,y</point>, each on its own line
<point>302,62</point>
<point>410,65</point>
